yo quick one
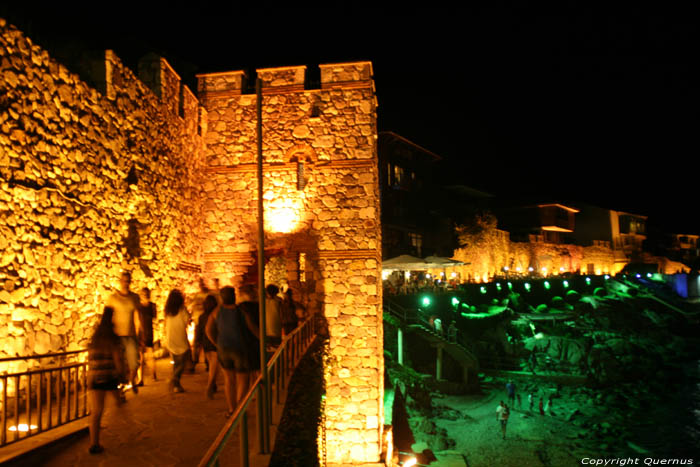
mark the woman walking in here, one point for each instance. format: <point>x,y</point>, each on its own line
<point>105,371</point>
<point>202,341</point>
<point>176,320</point>
<point>147,313</point>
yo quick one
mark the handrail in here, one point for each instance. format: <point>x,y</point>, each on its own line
<point>292,347</point>
<point>48,355</point>
<point>36,400</point>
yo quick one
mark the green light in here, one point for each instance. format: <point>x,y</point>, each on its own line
<point>607,276</point>
<point>498,286</point>
<point>527,286</point>
<point>510,285</point>
<point>588,280</point>
<point>547,285</point>
<point>648,274</point>
<point>426,301</point>
<point>455,301</point>
<point>566,284</point>
<point>482,289</point>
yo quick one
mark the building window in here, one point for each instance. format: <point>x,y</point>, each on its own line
<point>416,241</point>
<point>302,267</point>
<point>398,176</point>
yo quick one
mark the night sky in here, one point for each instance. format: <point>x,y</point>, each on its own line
<point>570,103</point>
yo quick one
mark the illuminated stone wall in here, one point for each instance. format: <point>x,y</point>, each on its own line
<point>91,182</point>
<point>485,263</point>
<point>321,213</point>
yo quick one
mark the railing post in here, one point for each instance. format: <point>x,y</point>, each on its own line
<point>39,405</point>
<point>16,407</point>
<point>29,403</point>
<point>244,440</point>
<point>3,435</point>
<point>49,403</point>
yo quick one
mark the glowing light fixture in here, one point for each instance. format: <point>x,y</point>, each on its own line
<point>455,301</point>
<point>588,281</point>
<point>498,286</point>
<point>566,284</point>
<point>407,274</point>
<point>510,286</point>
<point>518,269</point>
<point>527,286</point>
<point>530,269</point>
<point>426,301</point>
<point>427,276</point>
<point>561,269</point>
<point>547,285</point>
<point>482,289</point>
<point>410,462</point>
<point>453,275</point>
<point>607,276</point>
<point>638,276</point>
<point>649,275</point>
<point>23,427</point>
<point>385,275</point>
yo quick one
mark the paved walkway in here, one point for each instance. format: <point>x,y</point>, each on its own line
<point>153,428</point>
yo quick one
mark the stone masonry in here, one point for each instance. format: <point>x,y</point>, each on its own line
<point>321,216</point>
<point>92,182</point>
<point>138,174</point>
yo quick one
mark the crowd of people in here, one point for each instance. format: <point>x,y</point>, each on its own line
<point>226,334</point>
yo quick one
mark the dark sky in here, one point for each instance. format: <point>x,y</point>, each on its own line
<point>572,103</point>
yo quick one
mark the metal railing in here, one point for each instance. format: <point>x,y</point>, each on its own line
<point>37,400</point>
<point>280,367</point>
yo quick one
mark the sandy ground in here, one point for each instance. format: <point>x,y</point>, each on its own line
<point>531,439</point>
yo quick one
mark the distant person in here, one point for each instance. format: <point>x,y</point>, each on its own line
<point>273,320</point>
<point>502,414</point>
<point>106,371</point>
<point>452,332</point>
<point>207,345</point>
<point>437,323</point>
<point>510,388</point>
<point>176,321</point>
<point>197,310</point>
<point>124,302</point>
<point>288,313</point>
<point>147,314</point>
<point>541,406</point>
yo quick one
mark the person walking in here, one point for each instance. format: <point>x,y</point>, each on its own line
<point>502,414</point>
<point>197,311</point>
<point>176,321</point>
<point>124,302</point>
<point>541,406</point>
<point>273,321</point>
<point>236,342</point>
<point>288,313</point>
<point>147,314</point>
<point>105,372</point>
<point>208,347</point>
<point>510,388</point>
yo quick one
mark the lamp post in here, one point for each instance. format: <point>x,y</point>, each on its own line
<point>263,430</point>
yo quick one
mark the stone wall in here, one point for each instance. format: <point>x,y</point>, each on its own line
<point>484,263</point>
<point>321,216</point>
<point>91,183</point>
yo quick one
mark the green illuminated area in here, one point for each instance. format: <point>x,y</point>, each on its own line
<point>586,341</point>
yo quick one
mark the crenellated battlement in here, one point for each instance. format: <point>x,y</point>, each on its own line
<point>286,79</point>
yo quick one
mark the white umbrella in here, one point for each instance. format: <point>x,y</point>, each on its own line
<point>441,262</point>
<point>405,263</point>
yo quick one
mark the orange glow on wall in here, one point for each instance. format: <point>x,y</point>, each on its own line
<point>283,215</point>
